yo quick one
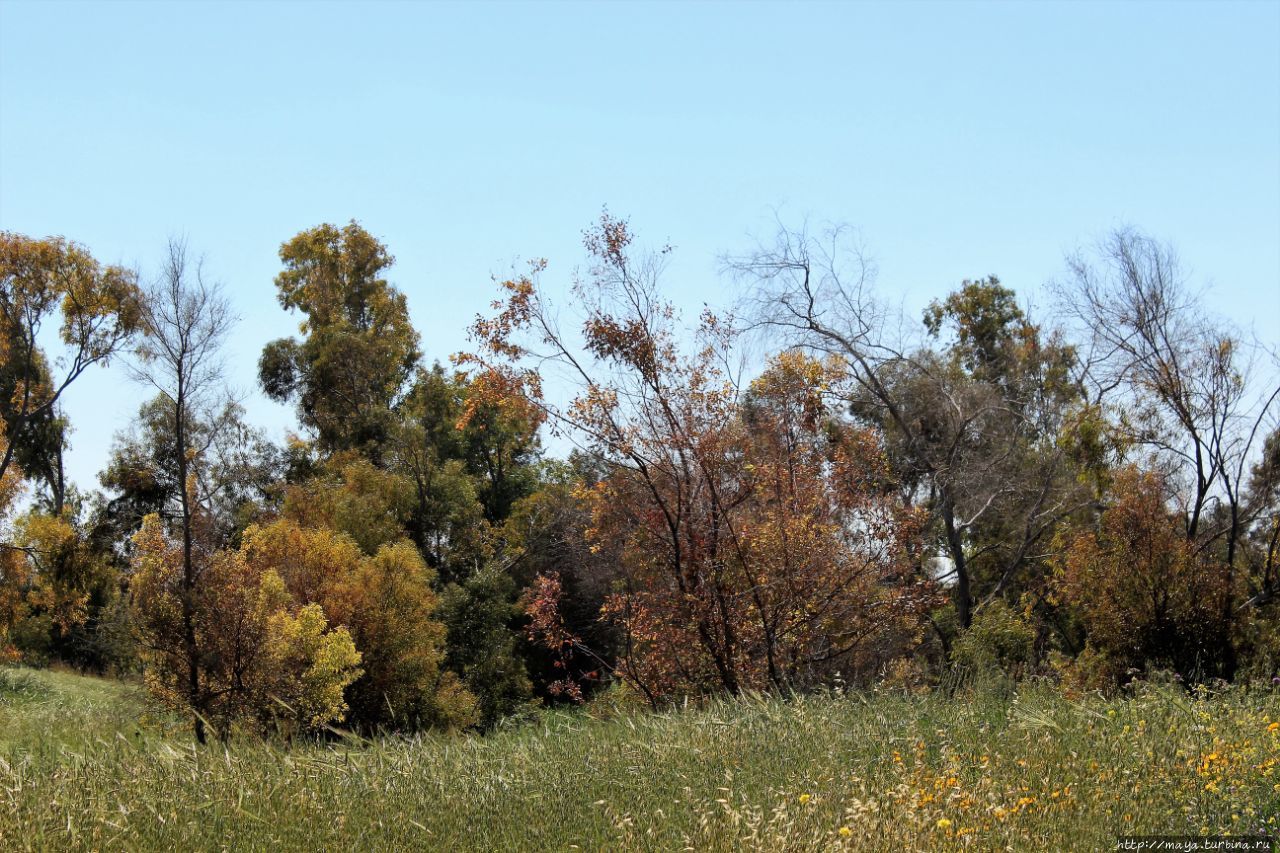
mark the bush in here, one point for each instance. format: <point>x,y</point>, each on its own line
<point>1000,641</point>
<point>482,646</point>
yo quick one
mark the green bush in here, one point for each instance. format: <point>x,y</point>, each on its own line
<point>1000,641</point>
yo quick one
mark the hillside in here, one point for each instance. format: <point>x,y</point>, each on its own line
<point>84,765</point>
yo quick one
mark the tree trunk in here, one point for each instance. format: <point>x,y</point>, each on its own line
<point>955,546</point>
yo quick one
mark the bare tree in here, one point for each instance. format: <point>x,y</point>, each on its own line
<point>1184,385</point>
<point>185,321</point>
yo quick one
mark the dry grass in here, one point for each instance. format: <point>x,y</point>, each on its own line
<point>83,766</point>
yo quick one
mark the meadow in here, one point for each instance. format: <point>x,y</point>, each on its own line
<point>85,764</point>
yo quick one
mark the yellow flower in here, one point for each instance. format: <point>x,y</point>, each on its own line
<point>943,823</point>
<point>845,832</point>
<point>1274,727</point>
<point>805,798</point>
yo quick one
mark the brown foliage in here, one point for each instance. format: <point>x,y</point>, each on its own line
<point>1146,596</point>
<point>759,547</point>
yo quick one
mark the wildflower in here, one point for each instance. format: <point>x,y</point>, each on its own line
<point>944,823</point>
<point>1274,727</point>
<point>805,798</point>
<point>845,832</point>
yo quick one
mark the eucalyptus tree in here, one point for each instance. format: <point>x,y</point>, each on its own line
<point>358,351</point>
<point>971,404</point>
<point>98,309</point>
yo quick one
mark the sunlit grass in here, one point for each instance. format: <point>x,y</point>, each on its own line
<point>82,765</point>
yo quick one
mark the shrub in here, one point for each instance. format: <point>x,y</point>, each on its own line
<point>999,641</point>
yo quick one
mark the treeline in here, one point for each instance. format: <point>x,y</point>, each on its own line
<point>883,500</point>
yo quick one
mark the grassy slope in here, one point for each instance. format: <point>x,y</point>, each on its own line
<point>82,766</point>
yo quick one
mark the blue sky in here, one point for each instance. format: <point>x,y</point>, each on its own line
<point>961,139</point>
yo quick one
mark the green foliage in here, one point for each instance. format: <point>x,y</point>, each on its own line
<point>470,459</point>
<point>359,349</point>
<point>987,323</point>
<point>1260,646</point>
<point>1000,640</point>
<point>349,495</point>
<point>406,684</point>
<point>482,646</point>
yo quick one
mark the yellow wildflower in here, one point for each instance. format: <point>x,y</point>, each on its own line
<point>845,832</point>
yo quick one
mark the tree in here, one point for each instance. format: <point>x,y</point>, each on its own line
<point>59,578</point>
<point>725,585</point>
<point>185,321</point>
<point>1264,507</point>
<point>13,568</point>
<point>482,647</point>
<point>1146,598</point>
<point>972,415</point>
<point>469,452</point>
<point>349,495</point>
<point>99,313</point>
<point>1181,383</point>
<point>261,660</point>
<point>386,601</point>
<point>239,474</point>
<point>359,349</point>
<point>565,577</point>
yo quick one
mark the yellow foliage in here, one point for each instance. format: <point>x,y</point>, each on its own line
<point>386,602</point>
<point>258,659</point>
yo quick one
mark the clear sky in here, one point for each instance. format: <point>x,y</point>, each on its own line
<point>962,139</point>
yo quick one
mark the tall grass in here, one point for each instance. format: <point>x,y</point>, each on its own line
<point>81,766</point>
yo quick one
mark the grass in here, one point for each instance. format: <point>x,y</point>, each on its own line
<point>84,766</point>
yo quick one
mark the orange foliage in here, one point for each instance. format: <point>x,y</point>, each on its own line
<point>759,545</point>
<point>1145,594</point>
